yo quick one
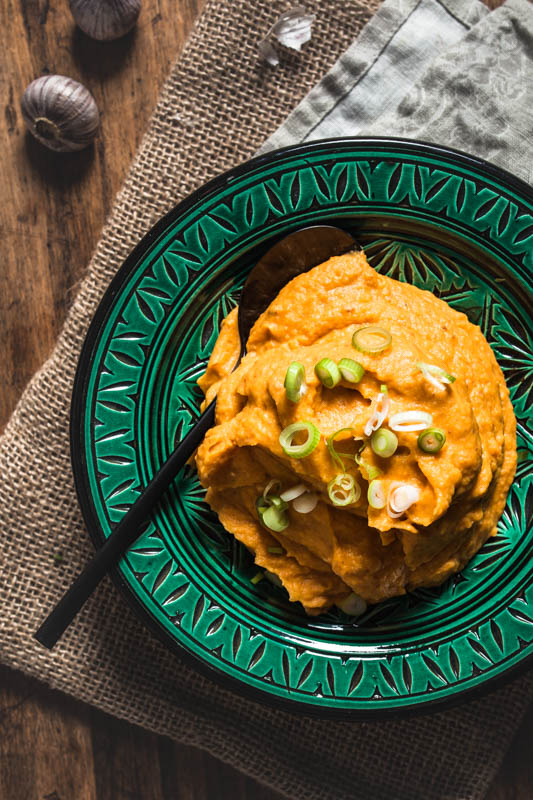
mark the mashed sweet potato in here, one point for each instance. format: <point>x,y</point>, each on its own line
<point>324,556</point>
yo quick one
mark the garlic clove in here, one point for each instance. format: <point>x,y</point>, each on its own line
<point>105,19</point>
<point>60,112</point>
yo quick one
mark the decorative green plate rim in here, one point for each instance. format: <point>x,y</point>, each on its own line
<point>264,688</point>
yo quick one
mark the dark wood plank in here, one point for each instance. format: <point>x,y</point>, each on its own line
<point>53,206</point>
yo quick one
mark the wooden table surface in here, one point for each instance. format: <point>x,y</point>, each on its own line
<point>52,209</point>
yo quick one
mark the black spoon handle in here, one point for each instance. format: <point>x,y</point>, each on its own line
<point>125,533</point>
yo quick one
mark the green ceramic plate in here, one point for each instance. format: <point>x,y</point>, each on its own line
<point>424,214</point>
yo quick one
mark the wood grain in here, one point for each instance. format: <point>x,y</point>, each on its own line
<point>52,209</point>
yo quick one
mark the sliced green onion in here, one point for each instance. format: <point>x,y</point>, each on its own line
<point>257,577</point>
<point>328,373</point>
<point>294,383</point>
<point>372,472</point>
<point>435,375</point>
<point>273,578</point>
<point>299,450</point>
<point>353,605</point>
<point>410,421</point>
<point>293,492</point>
<point>275,520</point>
<point>335,455</point>
<point>383,389</point>
<point>371,339</point>
<point>261,505</point>
<point>270,485</point>
<point>305,503</point>
<point>431,440</point>
<point>275,551</point>
<point>384,443</point>
<point>351,370</point>
<point>369,471</point>
<point>343,490</point>
<point>278,503</point>
<point>380,409</point>
<point>401,497</point>
<point>376,494</point>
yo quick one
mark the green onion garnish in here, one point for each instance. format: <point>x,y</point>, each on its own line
<point>305,503</point>
<point>294,383</point>
<point>353,605</point>
<point>261,505</point>
<point>276,551</point>
<point>401,497</point>
<point>431,440</point>
<point>293,492</point>
<point>410,421</point>
<point>384,443</point>
<point>278,503</point>
<point>299,450</point>
<point>351,370</point>
<point>275,520</point>
<point>343,490</point>
<point>372,472</point>
<point>328,373</point>
<point>369,471</point>
<point>335,455</point>
<point>380,409</point>
<point>376,494</point>
<point>435,375</point>
<point>257,577</point>
<point>371,339</point>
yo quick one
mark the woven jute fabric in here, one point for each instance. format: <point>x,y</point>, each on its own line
<point>215,110</point>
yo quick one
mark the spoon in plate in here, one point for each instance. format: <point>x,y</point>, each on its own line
<point>293,254</point>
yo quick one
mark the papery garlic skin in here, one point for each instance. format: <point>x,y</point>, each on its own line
<point>60,112</point>
<point>105,19</point>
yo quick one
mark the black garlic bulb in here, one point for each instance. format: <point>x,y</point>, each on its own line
<point>105,19</point>
<point>60,112</point>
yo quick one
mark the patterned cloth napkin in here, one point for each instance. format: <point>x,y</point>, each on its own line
<point>450,72</point>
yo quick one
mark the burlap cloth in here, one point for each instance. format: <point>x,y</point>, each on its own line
<point>215,110</point>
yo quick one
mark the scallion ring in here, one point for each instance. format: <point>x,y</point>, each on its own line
<point>294,383</point>
<point>278,503</point>
<point>343,490</point>
<point>299,450</point>
<point>351,370</point>
<point>372,472</point>
<point>376,494</point>
<point>335,455</point>
<point>261,505</point>
<point>274,519</point>
<point>273,578</point>
<point>270,485</point>
<point>437,376</point>
<point>384,443</point>
<point>328,373</point>
<point>353,605</point>
<point>431,440</point>
<point>275,551</point>
<point>371,339</point>
<point>257,577</point>
<point>368,471</point>
<point>410,421</point>
<point>401,497</point>
<point>305,503</point>
<point>293,492</point>
<point>380,409</point>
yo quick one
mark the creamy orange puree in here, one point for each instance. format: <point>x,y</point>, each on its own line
<point>332,552</point>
